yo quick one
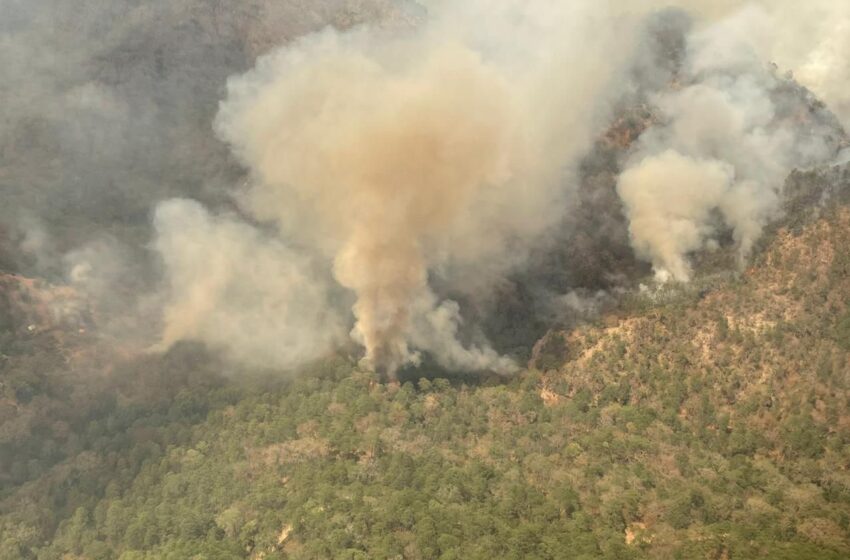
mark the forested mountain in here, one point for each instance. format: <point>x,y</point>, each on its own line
<point>421,279</point>
<point>700,421</point>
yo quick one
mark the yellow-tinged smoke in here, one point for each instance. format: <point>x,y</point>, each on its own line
<point>449,149</point>
<point>396,163</point>
<point>395,155</point>
<point>384,161</point>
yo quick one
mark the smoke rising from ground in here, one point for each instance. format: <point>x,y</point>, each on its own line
<point>727,138</point>
<point>668,198</point>
<point>400,175</point>
<point>397,154</point>
<point>378,165</point>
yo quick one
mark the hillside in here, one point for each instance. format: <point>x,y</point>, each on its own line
<point>704,421</point>
<point>421,279</point>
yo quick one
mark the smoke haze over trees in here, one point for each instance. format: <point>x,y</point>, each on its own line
<point>424,279</point>
<point>410,163</point>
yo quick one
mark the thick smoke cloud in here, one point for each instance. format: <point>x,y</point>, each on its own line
<point>728,136</point>
<point>669,198</point>
<point>106,109</point>
<point>401,175</point>
<point>810,39</point>
<point>395,155</point>
<point>240,291</point>
<point>384,163</point>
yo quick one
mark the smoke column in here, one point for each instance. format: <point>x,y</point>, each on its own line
<point>727,137</point>
<point>388,166</point>
<point>447,148</point>
<point>394,155</point>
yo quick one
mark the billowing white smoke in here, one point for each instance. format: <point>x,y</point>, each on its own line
<point>810,38</point>
<point>669,197</point>
<point>240,291</point>
<point>722,147</point>
<point>396,156</point>
<point>446,151</point>
<point>374,165</point>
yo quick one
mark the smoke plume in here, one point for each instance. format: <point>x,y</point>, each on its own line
<point>396,155</point>
<point>240,291</point>
<point>668,198</point>
<point>274,180</point>
<point>729,134</point>
<point>384,162</point>
<point>436,153</point>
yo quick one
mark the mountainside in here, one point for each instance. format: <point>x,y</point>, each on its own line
<point>707,420</point>
<point>421,279</point>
